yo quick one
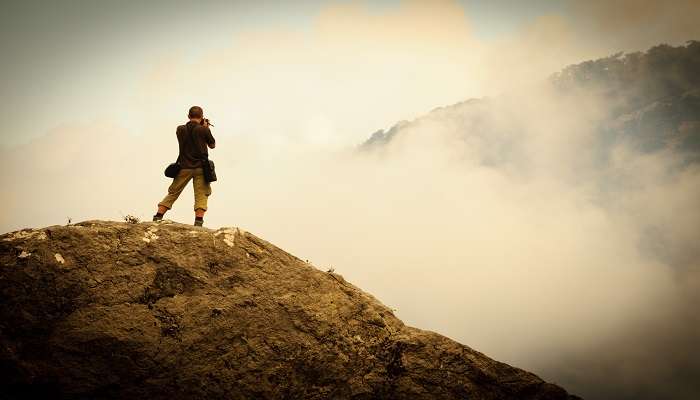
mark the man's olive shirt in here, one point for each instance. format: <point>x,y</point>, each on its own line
<point>202,136</point>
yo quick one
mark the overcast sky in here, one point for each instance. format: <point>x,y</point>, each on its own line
<point>307,63</point>
<point>93,92</point>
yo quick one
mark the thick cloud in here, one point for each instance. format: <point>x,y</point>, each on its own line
<point>577,249</point>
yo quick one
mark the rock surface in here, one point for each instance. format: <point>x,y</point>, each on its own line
<point>168,311</point>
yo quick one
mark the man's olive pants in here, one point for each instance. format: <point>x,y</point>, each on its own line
<point>202,189</point>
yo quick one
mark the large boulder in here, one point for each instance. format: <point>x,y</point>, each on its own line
<point>168,311</point>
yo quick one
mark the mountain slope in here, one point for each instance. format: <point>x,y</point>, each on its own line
<point>650,99</point>
<point>115,310</point>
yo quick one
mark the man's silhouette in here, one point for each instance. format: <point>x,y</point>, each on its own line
<point>191,164</point>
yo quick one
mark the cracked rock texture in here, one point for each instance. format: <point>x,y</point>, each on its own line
<point>115,310</point>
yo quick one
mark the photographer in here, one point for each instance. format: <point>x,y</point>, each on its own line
<point>194,137</point>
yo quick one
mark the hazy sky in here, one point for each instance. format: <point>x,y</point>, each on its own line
<point>305,62</point>
<point>94,91</point>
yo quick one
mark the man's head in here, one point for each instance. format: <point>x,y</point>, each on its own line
<point>196,113</point>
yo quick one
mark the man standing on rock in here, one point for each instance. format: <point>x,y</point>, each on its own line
<point>191,165</point>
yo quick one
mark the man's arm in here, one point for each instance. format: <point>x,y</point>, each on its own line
<point>210,139</point>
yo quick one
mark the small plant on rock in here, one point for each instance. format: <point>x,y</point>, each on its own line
<point>131,219</point>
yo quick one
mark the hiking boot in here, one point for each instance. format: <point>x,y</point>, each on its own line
<point>157,218</point>
<point>198,222</point>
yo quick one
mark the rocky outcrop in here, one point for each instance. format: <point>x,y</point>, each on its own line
<point>168,311</point>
